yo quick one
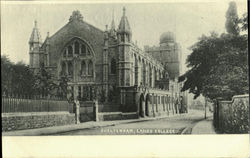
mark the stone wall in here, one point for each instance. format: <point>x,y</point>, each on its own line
<point>19,121</point>
<point>232,116</point>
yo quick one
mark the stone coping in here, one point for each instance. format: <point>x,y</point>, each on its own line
<point>122,113</point>
<point>235,97</point>
<point>241,96</point>
<point>226,101</point>
<point>34,113</point>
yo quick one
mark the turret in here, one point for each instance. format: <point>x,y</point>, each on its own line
<point>34,46</point>
<point>125,62</point>
<point>124,33</point>
<point>112,29</point>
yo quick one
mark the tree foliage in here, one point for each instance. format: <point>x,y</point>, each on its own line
<point>244,22</point>
<point>232,19</point>
<point>19,79</point>
<point>16,78</point>
<point>218,66</point>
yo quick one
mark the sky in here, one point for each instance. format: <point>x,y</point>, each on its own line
<point>148,20</point>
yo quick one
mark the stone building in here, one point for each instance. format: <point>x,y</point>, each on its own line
<point>107,66</point>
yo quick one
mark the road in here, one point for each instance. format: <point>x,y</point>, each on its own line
<point>170,125</point>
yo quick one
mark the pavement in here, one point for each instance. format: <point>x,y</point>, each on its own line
<point>80,126</point>
<point>204,127</point>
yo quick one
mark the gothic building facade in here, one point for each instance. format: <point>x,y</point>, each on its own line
<point>107,66</point>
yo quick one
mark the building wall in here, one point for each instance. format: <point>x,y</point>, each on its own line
<point>134,67</point>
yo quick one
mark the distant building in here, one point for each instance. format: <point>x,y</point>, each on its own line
<point>109,67</point>
<point>168,53</point>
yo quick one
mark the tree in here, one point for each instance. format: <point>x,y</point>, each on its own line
<point>6,74</point>
<point>218,67</point>
<point>244,22</point>
<point>218,64</point>
<point>17,79</point>
<point>22,79</point>
<point>232,19</point>
<point>62,86</point>
<point>45,83</point>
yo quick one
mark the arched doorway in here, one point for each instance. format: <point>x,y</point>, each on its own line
<point>142,106</point>
<point>147,104</point>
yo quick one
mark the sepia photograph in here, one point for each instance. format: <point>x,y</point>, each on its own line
<point>72,68</point>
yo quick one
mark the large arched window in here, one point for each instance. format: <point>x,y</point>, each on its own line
<point>83,49</point>
<point>113,66</point>
<point>63,68</point>
<point>70,51</point>
<point>83,68</point>
<point>77,48</point>
<point>70,68</point>
<point>90,68</point>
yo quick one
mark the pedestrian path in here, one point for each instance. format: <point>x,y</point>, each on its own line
<point>204,127</point>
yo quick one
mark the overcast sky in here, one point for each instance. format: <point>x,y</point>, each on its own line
<point>148,21</point>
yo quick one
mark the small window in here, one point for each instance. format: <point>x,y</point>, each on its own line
<point>63,68</point>
<point>70,68</point>
<point>79,93</point>
<point>90,68</point>
<point>83,68</point>
<point>64,53</point>
<point>113,66</point>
